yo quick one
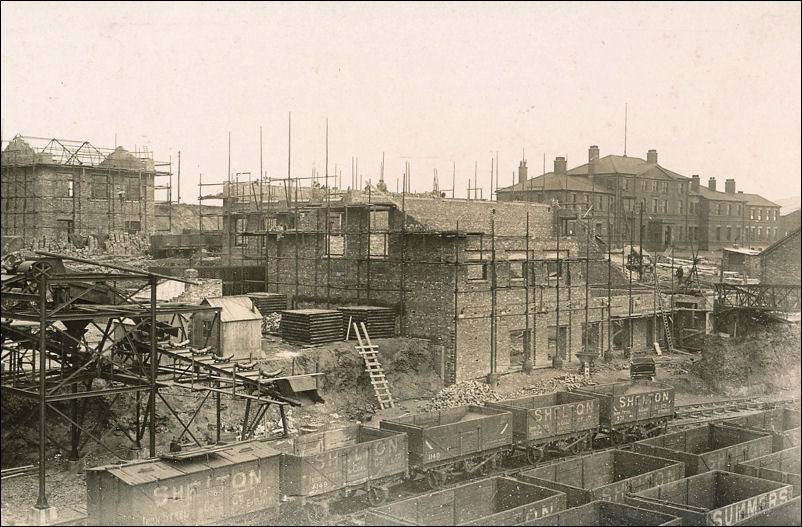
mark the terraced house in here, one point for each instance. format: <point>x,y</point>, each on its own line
<point>619,194</point>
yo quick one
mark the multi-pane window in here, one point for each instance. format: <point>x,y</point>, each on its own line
<point>654,205</point>
<point>739,210</point>
<point>718,233</point>
<point>760,233</point>
<point>718,209</point>
<point>626,183</point>
<point>679,206</point>
<point>737,234</point>
<point>729,209</point>
<point>751,213</point>
<point>644,186</point>
<point>132,227</point>
<point>729,233</point>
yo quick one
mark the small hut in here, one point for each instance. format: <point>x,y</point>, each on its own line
<point>238,331</point>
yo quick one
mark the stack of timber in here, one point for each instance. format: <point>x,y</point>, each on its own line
<point>311,326</point>
<point>268,303</point>
<point>379,321</point>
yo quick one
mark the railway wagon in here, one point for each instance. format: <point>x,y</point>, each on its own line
<point>782,466</point>
<point>350,459</point>
<point>719,498</point>
<point>708,447</point>
<point>456,441</point>
<point>218,485</point>
<point>632,409</point>
<point>785,426</point>
<point>490,501</point>
<point>559,422</point>
<point>606,475</point>
<point>607,513</point>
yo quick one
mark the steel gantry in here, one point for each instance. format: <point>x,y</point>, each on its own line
<point>68,337</point>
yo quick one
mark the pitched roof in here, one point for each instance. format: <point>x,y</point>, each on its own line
<point>754,199</point>
<point>625,165</point>
<point>234,308</point>
<point>715,195</point>
<point>554,181</point>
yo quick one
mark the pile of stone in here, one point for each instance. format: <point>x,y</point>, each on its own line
<point>476,393</point>
<point>271,324</point>
<point>462,393</point>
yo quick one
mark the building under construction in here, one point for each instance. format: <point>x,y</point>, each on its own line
<point>54,188</point>
<point>469,275</point>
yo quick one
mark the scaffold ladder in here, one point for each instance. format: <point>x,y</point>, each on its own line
<point>666,326</point>
<point>370,353</point>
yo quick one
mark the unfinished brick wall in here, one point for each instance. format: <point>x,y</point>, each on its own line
<point>781,264</point>
<point>439,292</point>
<point>36,201</point>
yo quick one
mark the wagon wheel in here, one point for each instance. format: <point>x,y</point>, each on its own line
<point>434,480</point>
<point>315,512</point>
<point>618,437</point>
<point>535,454</point>
<point>378,495</point>
<point>579,446</point>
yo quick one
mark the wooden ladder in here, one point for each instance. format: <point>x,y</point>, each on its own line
<point>370,353</point>
<point>666,327</point>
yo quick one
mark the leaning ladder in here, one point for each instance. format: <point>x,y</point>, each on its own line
<point>666,326</point>
<point>370,353</point>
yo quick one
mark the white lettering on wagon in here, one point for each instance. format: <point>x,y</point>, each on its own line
<point>741,510</point>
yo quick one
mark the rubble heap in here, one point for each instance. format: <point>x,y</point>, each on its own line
<point>476,393</point>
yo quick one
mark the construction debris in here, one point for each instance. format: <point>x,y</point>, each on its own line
<point>475,392</point>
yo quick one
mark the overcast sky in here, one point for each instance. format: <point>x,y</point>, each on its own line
<point>715,88</point>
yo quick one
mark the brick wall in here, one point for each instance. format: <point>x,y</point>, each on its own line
<point>41,192</point>
<point>781,265</point>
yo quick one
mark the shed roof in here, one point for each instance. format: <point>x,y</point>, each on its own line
<point>234,308</point>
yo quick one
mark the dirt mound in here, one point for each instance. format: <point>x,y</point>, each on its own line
<point>770,356</point>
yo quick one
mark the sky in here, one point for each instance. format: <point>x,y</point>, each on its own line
<point>713,87</point>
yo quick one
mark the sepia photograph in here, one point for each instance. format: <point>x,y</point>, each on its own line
<point>400,263</point>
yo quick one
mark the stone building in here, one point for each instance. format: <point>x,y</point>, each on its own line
<point>67,188</point>
<point>676,210</point>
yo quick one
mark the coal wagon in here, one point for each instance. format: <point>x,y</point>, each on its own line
<point>554,423</point>
<point>214,486</point>
<point>465,440</point>
<point>344,461</point>
<point>632,410</point>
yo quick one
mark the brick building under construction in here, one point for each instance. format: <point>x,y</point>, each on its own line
<point>52,188</point>
<point>487,282</point>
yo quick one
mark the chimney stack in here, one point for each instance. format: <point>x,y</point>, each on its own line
<point>651,156</point>
<point>729,186</point>
<point>593,154</point>
<point>560,165</point>
<point>522,172</point>
<point>711,183</point>
<point>695,182</point>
